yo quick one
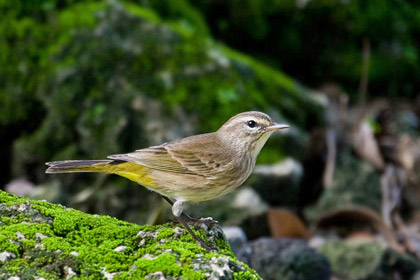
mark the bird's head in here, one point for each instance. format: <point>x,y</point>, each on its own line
<point>249,129</point>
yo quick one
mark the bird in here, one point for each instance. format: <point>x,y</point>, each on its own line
<point>193,169</point>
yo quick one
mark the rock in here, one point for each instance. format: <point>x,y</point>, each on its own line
<point>416,276</point>
<point>248,200</point>
<point>51,191</point>
<point>368,260</point>
<point>285,259</point>
<point>5,256</point>
<point>236,237</point>
<point>60,242</point>
<point>20,187</point>
<point>273,181</point>
<point>349,190</point>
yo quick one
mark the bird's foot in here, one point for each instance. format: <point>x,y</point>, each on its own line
<point>206,221</point>
<point>197,239</point>
<point>196,222</point>
<point>205,246</point>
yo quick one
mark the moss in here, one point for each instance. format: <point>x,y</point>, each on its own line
<point>79,54</point>
<point>65,240</point>
<point>354,260</point>
<point>368,260</point>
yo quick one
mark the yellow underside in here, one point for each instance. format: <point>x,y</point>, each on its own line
<point>134,172</point>
<point>178,186</point>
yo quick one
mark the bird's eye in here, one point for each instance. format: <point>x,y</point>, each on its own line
<point>251,123</point>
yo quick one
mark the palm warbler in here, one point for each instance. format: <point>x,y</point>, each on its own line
<point>196,168</point>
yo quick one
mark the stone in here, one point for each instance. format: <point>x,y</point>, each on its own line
<point>273,181</point>
<point>236,237</point>
<point>20,187</point>
<point>51,191</point>
<point>5,256</point>
<point>357,260</point>
<point>285,259</point>
<point>248,200</point>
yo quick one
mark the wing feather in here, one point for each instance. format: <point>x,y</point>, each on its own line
<point>154,157</point>
<point>202,163</point>
<point>182,157</point>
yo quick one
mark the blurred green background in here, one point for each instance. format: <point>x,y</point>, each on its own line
<point>85,79</point>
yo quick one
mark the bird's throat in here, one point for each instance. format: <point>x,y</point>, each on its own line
<point>257,145</point>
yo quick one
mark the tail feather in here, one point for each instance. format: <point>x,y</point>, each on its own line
<point>69,166</point>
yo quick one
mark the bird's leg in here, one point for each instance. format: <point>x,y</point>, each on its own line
<point>167,200</point>
<point>177,211</point>
<point>189,219</point>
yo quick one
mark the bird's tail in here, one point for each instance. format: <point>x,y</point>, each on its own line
<point>69,166</point>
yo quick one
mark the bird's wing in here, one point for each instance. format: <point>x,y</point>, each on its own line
<point>156,157</point>
<point>201,163</point>
<point>181,157</point>
<point>201,154</point>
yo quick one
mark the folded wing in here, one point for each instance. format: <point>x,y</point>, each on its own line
<point>180,157</point>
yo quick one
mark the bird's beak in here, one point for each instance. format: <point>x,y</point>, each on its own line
<point>276,126</point>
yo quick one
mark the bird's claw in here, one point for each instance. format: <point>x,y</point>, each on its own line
<point>206,221</point>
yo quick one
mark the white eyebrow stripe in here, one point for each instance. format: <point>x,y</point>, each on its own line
<point>245,119</point>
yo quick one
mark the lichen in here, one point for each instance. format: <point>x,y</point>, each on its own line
<point>40,239</point>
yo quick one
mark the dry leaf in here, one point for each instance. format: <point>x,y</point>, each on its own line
<point>366,145</point>
<point>284,223</point>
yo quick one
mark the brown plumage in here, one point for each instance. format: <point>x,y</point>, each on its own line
<point>196,168</point>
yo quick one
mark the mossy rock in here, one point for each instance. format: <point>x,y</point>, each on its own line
<point>40,239</point>
<point>104,77</point>
<point>349,190</point>
<point>285,259</point>
<point>368,260</point>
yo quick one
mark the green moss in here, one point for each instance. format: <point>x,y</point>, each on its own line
<point>368,260</point>
<point>355,260</point>
<point>60,238</point>
<point>67,78</point>
<point>141,12</point>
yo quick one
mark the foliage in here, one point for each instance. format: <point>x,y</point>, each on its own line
<point>97,68</point>
<point>322,40</point>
